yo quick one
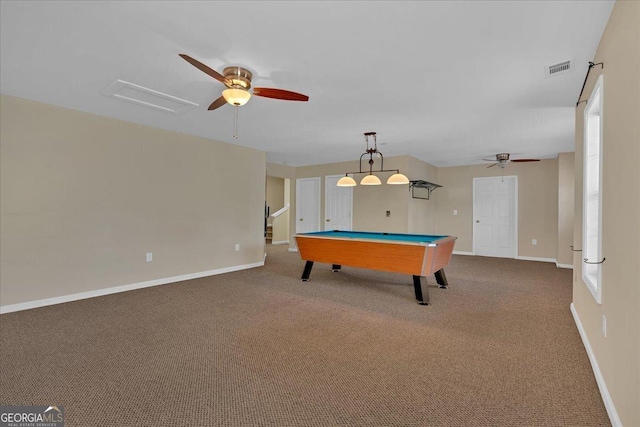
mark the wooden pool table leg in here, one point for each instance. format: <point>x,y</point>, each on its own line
<point>307,271</point>
<point>441,278</point>
<point>420,285</point>
<point>335,268</point>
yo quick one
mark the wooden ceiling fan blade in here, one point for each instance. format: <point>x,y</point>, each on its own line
<point>525,160</point>
<point>217,103</point>
<point>205,69</point>
<point>286,95</point>
<point>490,166</point>
<point>489,160</point>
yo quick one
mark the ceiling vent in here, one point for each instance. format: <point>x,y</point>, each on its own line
<point>557,69</point>
<point>146,97</point>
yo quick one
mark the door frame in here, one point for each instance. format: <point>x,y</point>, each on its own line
<point>515,202</point>
<point>319,181</point>
<point>326,198</point>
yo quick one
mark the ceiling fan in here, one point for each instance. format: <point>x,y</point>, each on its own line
<point>503,158</point>
<point>238,82</point>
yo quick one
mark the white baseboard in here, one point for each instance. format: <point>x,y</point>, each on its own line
<point>293,249</point>
<point>604,391</point>
<point>462,253</point>
<point>524,258</point>
<point>533,258</point>
<point>107,291</point>
<point>280,242</point>
<point>564,265</point>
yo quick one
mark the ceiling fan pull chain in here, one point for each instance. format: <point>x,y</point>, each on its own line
<point>235,122</point>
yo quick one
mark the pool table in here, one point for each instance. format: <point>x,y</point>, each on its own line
<point>415,254</point>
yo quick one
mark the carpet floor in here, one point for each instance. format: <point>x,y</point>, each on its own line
<point>259,347</point>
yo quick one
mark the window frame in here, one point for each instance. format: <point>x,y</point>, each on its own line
<point>597,96</point>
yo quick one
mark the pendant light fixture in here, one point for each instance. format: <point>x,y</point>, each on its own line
<point>396,179</point>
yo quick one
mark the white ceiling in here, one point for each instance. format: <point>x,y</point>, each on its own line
<point>446,82</point>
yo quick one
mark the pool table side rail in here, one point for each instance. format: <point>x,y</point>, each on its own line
<point>414,259</point>
<point>364,254</point>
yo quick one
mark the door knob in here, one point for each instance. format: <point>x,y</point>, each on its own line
<point>301,219</point>
<point>328,220</point>
<point>477,220</point>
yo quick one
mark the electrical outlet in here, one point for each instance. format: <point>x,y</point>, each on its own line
<point>388,213</point>
<point>534,241</point>
<point>455,212</point>
<point>149,256</point>
<point>604,326</point>
<point>237,247</point>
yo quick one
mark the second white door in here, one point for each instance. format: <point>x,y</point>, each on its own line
<point>338,204</point>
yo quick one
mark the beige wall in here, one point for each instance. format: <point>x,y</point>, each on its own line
<point>537,204</point>
<point>284,233</point>
<point>280,228</point>
<point>566,188</point>
<point>278,196</point>
<point>618,354</point>
<point>422,213</point>
<point>281,171</point>
<point>275,193</point>
<point>84,198</point>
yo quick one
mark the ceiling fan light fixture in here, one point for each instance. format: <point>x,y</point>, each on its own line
<point>346,181</point>
<point>236,96</point>
<point>371,180</point>
<point>398,179</point>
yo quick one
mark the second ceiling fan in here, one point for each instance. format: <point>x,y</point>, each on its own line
<point>503,158</point>
<point>238,82</point>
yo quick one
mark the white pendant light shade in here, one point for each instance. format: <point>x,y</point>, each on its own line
<point>398,179</point>
<point>371,180</point>
<point>346,181</point>
<point>236,96</point>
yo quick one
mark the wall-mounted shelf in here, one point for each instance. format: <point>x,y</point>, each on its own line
<point>429,186</point>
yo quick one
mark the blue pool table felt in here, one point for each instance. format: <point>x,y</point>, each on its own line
<point>418,238</point>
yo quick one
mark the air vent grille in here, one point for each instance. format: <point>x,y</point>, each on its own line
<point>559,68</point>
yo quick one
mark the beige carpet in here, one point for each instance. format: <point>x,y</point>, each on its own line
<point>261,348</point>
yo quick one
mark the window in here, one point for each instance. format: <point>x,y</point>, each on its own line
<point>591,192</point>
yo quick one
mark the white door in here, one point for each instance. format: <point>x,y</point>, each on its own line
<point>495,215</point>
<point>338,204</point>
<point>307,205</point>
